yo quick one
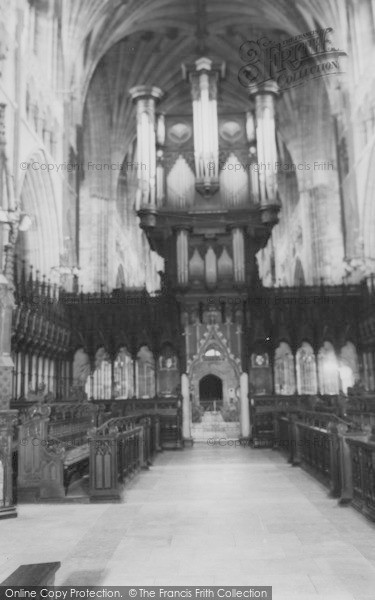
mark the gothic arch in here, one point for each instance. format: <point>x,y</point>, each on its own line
<point>284,370</point>
<point>81,367</point>
<point>145,373</point>
<point>214,337</point>
<point>123,371</point>
<point>307,382</point>
<point>41,245</point>
<point>100,386</point>
<point>225,366</point>
<point>348,366</point>
<point>328,369</point>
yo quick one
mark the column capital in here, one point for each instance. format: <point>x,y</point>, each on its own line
<point>266,87</point>
<point>146,91</point>
<point>203,64</point>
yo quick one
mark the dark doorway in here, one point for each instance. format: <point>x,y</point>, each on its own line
<point>211,392</point>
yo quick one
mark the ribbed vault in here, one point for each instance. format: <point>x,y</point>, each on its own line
<point>121,44</point>
<point>93,27</point>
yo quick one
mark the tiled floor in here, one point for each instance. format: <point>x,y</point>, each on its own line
<point>206,515</point>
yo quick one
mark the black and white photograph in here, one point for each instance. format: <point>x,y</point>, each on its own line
<point>187,299</point>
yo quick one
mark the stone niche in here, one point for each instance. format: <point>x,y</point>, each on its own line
<point>260,374</point>
<point>213,356</point>
<point>168,372</point>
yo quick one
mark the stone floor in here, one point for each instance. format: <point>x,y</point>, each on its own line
<point>206,516</point>
<point>214,426</point>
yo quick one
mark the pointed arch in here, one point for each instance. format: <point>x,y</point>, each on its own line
<point>348,366</point>
<point>284,370</point>
<point>145,373</point>
<point>100,387</point>
<point>328,370</point>
<point>214,339</point>
<point>41,245</point>
<point>123,371</point>
<point>307,382</point>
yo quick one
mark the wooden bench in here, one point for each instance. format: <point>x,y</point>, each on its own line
<point>166,408</point>
<point>33,575</point>
<point>69,425</point>
<point>76,461</point>
<point>116,453</point>
<point>52,448</point>
<point>53,443</point>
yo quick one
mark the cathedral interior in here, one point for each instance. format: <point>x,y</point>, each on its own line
<point>187,252</point>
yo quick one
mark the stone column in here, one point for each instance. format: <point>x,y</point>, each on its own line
<point>186,416</point>
<point>345,465</point>
<point>295,440</point>
<point>264,97</point>
<point>245,413</point>
<point>8,239</point>
<point>8,418</point>
<point>182,257</point>
<point>145,99</point>
<point>142,459</point>
<point>238,246</point>
<point>6,362</point>
<point>251,139</point>
<point>160,140</point>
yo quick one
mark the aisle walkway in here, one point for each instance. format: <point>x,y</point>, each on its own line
<point>206,516</point>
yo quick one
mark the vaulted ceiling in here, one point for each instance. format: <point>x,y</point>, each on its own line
<point>168,31</point>
<point>145,42</point>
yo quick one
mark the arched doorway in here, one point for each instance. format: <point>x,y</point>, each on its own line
<point>211,392</point>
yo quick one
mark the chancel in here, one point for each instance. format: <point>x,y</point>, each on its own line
<point>187,294</point>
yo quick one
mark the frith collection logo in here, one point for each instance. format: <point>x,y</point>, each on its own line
<point>289,63</point>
